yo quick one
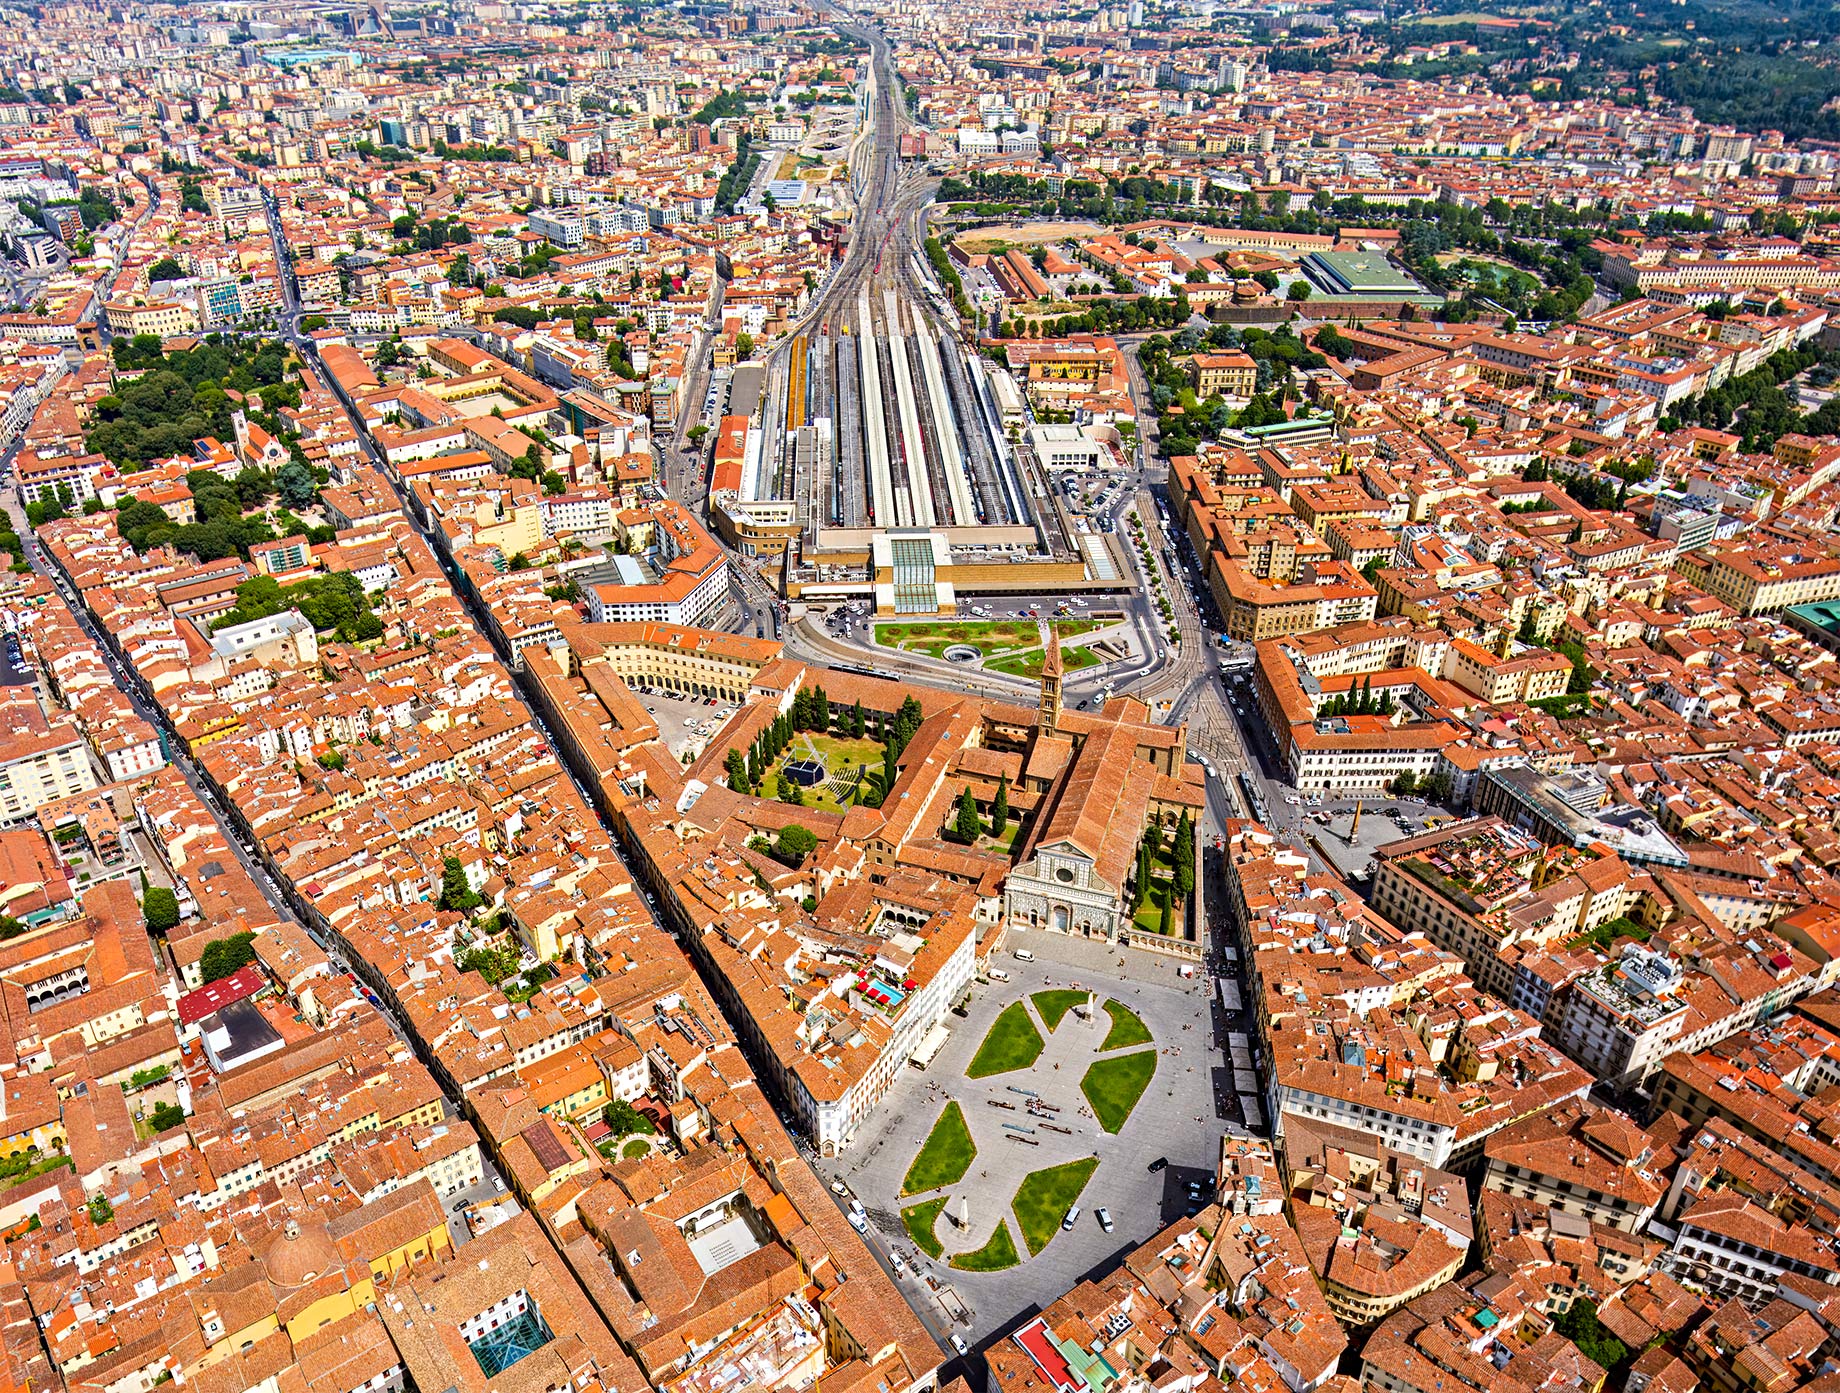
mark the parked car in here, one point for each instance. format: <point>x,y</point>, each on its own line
<point>1104,1216</point>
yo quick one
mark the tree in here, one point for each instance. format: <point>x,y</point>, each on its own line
<point>857,724</point>
<point>160,909</point>
<point>820,710</point>
<point>1146,866</point>
<point>1182,858</point>
<point>787,791</point>
<point>296,485</point>
<point>165,1117</point>
<point>1404,783</point>
<point>625,1119</point>
<point>1581,1326</point>
<point>999,807</point>
<point>165,269</point>
<point>223,957</point>
<point>1165,920</point>
<point>967,826</point>
<point>744,346</point>
<point>737,770</point>
<point>456,893</point>
<point>906,722</point>
<point>1298,292</point>
<point>794,844</point>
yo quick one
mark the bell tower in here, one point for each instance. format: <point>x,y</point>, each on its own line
<point>1050,680</point>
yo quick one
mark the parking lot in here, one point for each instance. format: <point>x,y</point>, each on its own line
<point>684,723</point>
<point>1178,1120</point>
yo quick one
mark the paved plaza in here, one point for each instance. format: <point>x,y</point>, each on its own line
<point>1177,1117</point>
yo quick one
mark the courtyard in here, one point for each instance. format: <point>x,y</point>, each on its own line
<point>1060,1087</point>
<point>826,768</point>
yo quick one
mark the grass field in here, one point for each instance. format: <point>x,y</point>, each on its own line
<point>994,1256</point>
<point>991,637</point>
<point>1013,1043</point>
<point>1149,916</point>
<point>638,1146</point>
<point>919,1220</point>
<point>1011,835</point>
<point>947,1155</point>
<point>1051,1006</point>
<point>1128,1027</point>
<point>1029,664</point>
<point>840,754</point>
<point>1114,1085</point>
<point>1043,1198</point>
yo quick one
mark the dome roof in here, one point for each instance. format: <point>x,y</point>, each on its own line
<point>297,1253</point>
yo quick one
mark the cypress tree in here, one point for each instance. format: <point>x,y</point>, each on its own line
<point>999,807</point>
<point>820,710</point>
<point>1164,919</point>
<point>967,824</point>
<point>856,721</point>
<point>1182,859</point>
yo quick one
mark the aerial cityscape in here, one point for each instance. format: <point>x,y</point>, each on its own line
<point>891,697</point>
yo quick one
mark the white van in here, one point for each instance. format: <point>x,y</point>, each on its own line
<point>1072,1216</point>
<point>1023,955</point>
<point>997,974</point>
<point>860,1224</point>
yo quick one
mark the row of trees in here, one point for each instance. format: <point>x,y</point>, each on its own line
<point>1181,882</point>
<point>1435,787</point>
<point>1360,701</point>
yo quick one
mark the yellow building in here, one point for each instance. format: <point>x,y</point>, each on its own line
<point>1761,580</point>
<point>567,1084</point>
<point>1224,375</point>
<point>30,1118</point>
<point>1531,676</point>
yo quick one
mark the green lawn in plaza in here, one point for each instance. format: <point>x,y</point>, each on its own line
<point>1043,1198</point>
<point>1051,1006</point>
<point>1114,1085</point>
<point>919,1220</point>
<point>994,1256</point>
<point>1028,663</point>
<point>1013,1043</point>
<point>991,637</point>
<point>1128,1027</point>
<point>945,1157</point>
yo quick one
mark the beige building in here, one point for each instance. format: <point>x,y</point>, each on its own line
<point>42,765</point>
<point>1756,580</point>
<point>1582,1158</point>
